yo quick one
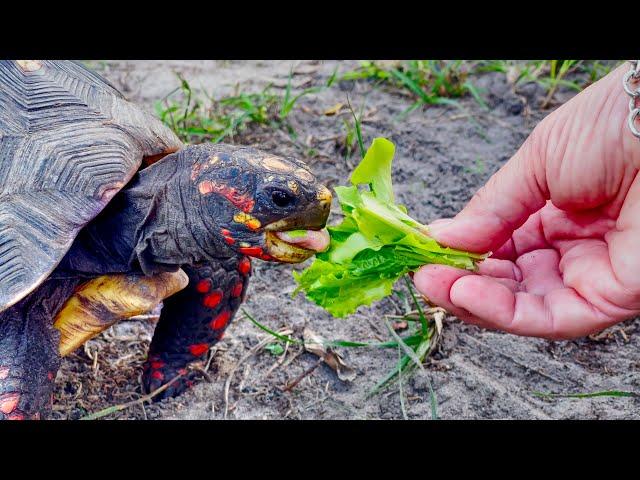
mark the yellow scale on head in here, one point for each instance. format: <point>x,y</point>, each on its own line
<point>247,219</point>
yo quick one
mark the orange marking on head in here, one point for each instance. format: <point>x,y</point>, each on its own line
<point>253,224</point>
<point>4,372</point>
<point>198,349</point>
<point>220,321</point>
<point>9,402</point>
<point>243,202</point>
<point>213,299</point>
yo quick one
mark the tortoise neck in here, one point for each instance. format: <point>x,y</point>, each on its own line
<point>146,227</point>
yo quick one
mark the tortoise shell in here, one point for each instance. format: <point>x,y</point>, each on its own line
<point>69,141</point>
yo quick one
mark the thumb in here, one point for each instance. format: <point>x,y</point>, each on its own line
<point>511,195</point>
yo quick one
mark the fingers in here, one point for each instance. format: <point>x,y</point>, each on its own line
<point>494,267</point>
<point>574,155</point>
<point>623,241</point>
<point>435,282</point>
<point>560,314</point>
<point>510,196</point>
<point>525,298</point>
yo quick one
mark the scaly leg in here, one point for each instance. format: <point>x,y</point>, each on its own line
<point>193,320</point>
<point>29,359</point>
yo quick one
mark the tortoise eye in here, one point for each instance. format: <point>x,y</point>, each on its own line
<point>282,198</point>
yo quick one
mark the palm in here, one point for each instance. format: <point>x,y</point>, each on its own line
<point>558,257</point>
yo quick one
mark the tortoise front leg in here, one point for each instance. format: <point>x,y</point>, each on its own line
<point>193,320</point>
<point>29,359</point>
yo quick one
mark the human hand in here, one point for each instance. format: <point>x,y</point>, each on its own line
<point>562,217</point>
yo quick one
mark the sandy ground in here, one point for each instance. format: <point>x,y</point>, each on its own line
<point>443,155</point>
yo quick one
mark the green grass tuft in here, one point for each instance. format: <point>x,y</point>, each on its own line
<point>198,118</point>
<point>429,82</point>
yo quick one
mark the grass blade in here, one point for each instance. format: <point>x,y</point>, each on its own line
<point>358,129</point>
<point>603,393</point>
<point>284,338</point>
<point>411,85</point>
<point>405,348</point>
<point>403,407</point>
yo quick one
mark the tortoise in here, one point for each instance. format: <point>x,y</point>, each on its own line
<point>105,214</point>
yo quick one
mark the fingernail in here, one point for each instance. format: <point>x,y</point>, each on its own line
<point>437,226</point>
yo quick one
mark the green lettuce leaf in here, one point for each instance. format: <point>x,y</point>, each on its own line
<point>376,243</point>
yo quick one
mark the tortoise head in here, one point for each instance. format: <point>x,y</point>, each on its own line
<point>251,199</point>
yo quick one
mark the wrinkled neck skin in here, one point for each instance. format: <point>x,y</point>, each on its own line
<point>156,223</point>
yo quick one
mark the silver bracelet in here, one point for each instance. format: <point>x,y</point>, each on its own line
<point>631,77</point>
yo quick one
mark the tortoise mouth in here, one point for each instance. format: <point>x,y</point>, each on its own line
<point>310,236</point>
<point>284,251</point>
<point>286,247</point>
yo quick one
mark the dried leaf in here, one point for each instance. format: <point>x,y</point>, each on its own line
<point>314,343</point>
<point>438,317</point>
<point>334,110</point>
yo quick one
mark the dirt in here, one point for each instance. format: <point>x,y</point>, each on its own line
<point>444,154</point>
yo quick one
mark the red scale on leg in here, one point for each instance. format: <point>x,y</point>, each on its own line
<point>213,299</point>
<point>244,266</point>
<point>220,321</point>
<point>203,286</point>
<point>198,349</point>
<point>237,290</point>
